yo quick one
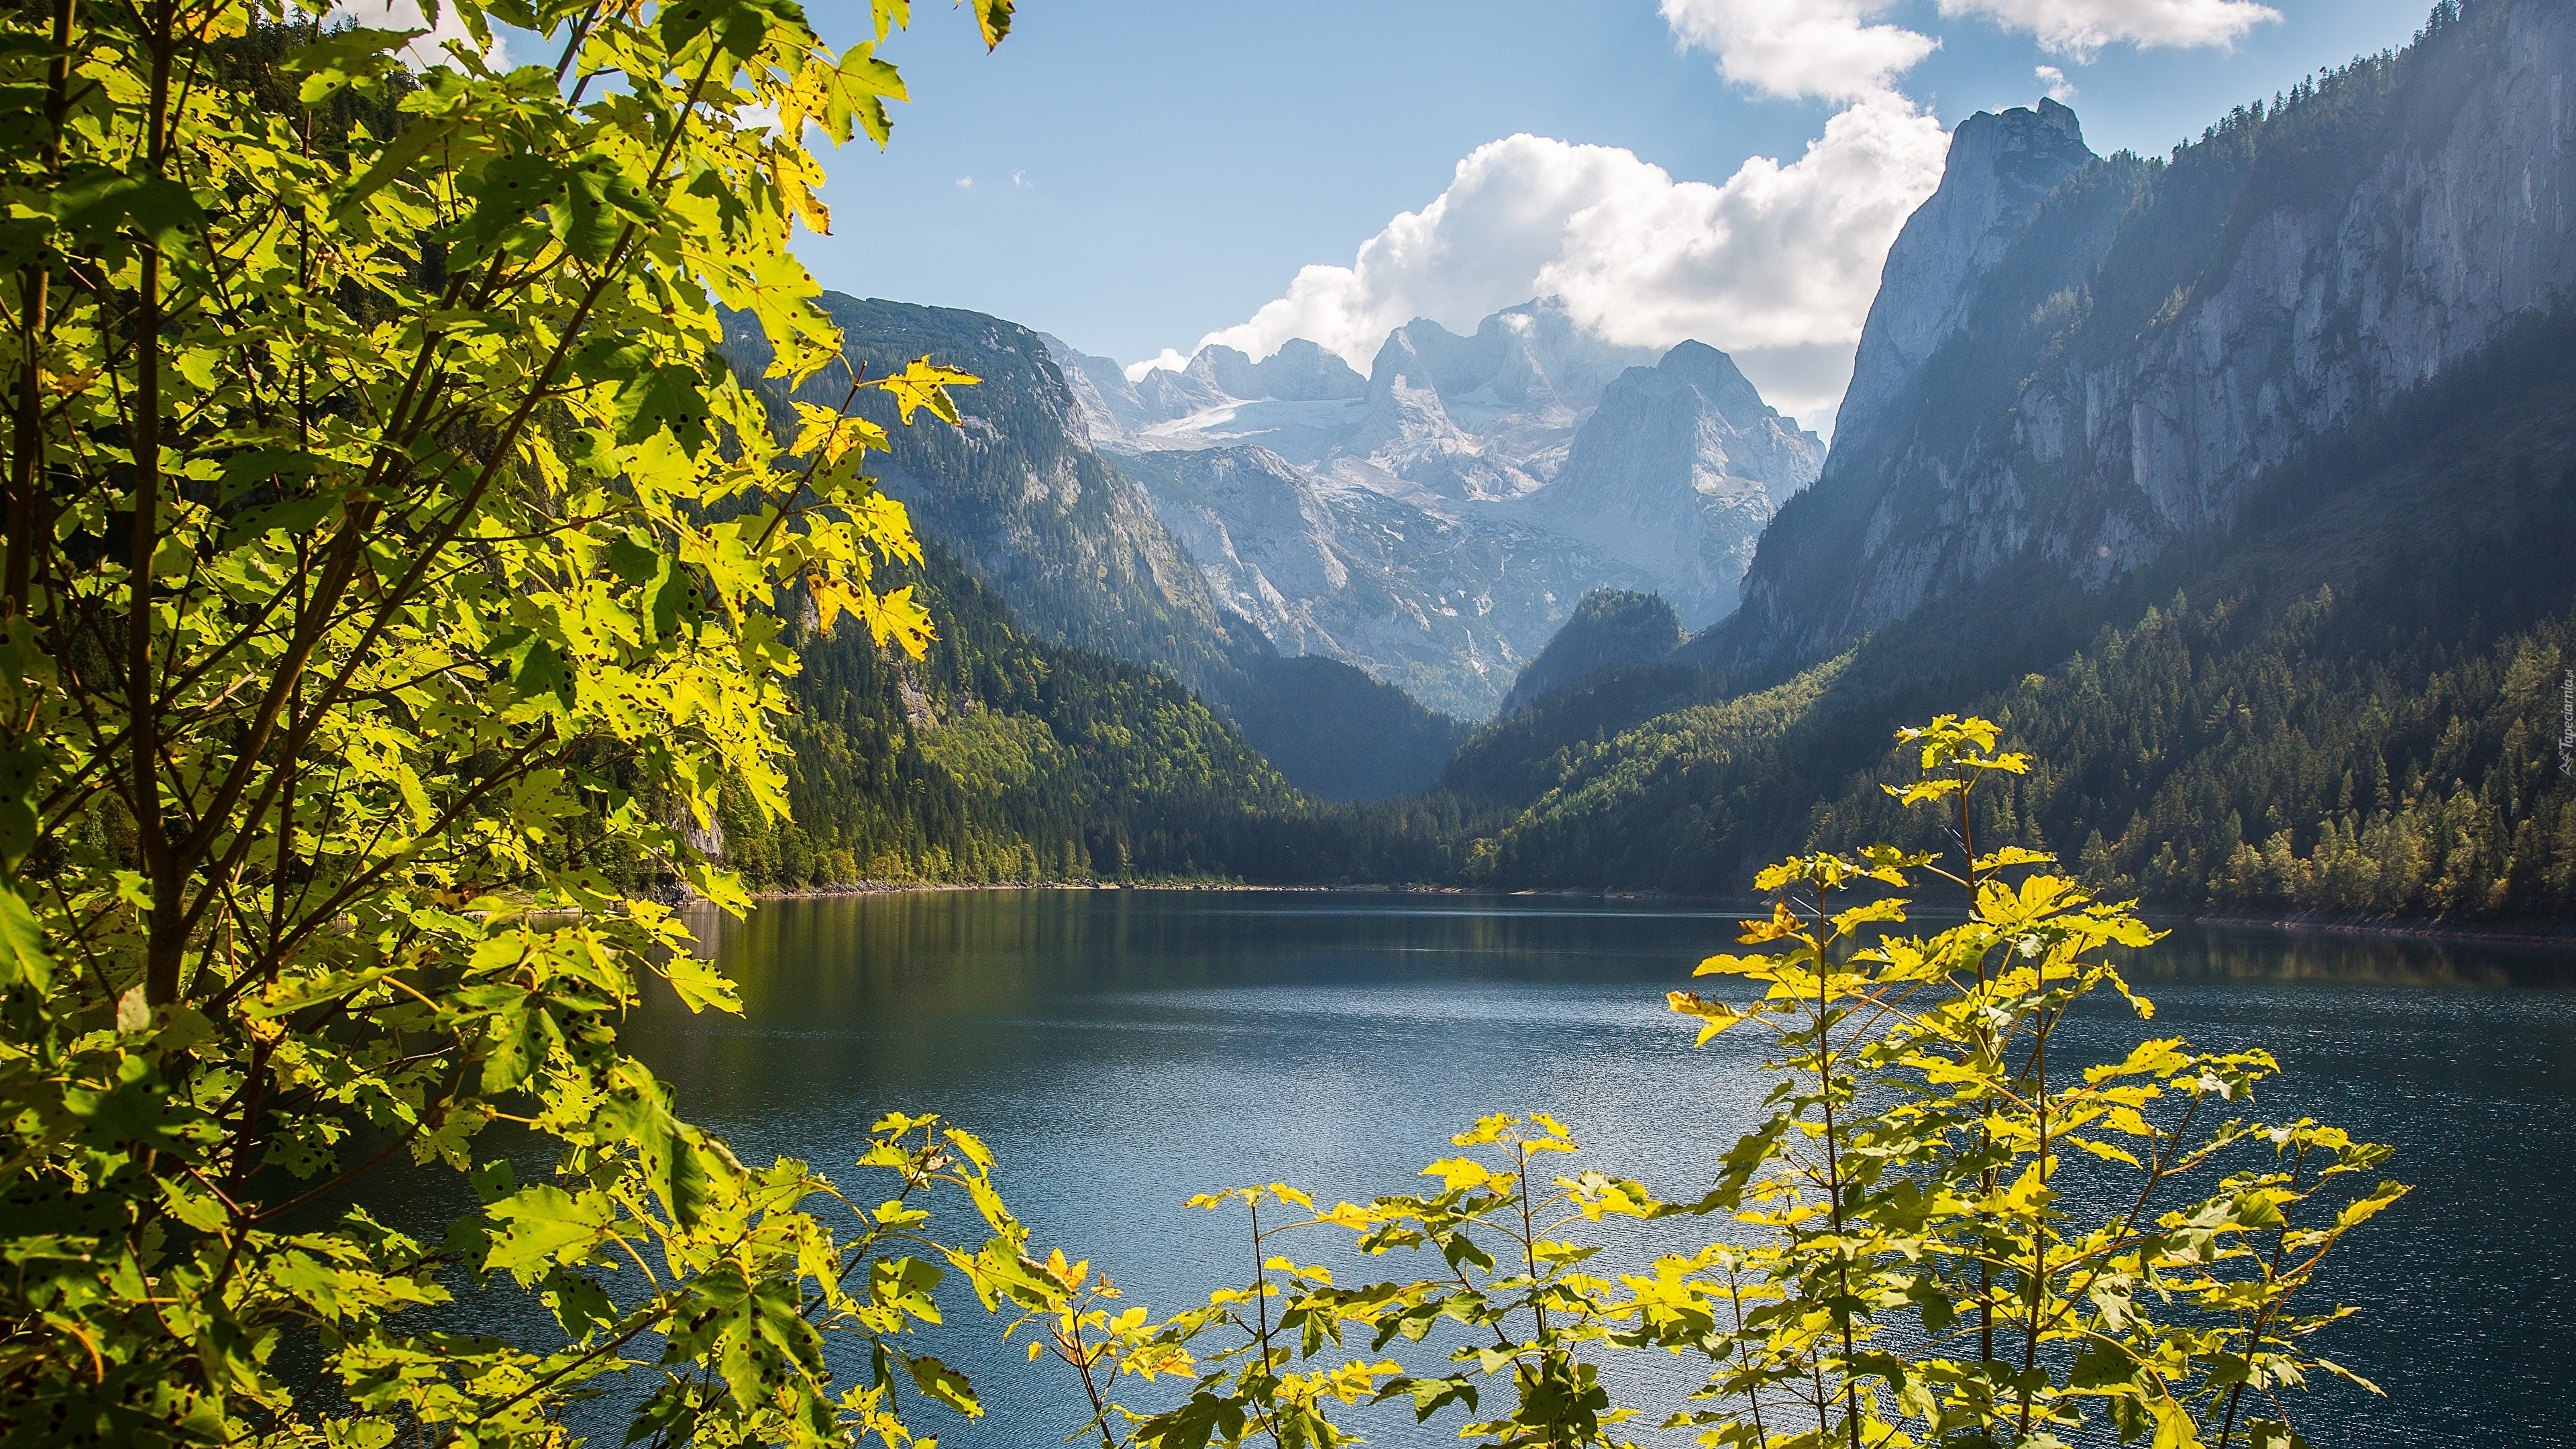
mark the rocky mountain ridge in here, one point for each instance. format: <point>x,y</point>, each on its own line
<point>2000,168</point>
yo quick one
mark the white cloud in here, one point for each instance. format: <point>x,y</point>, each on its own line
<point>1020,181</point>
<point>2054,84</point>
<point>965,183</point>
<point>1169,360</point>
<point>426,50</point>
<point>2081,27</point>
<point>1772,266</point>
<point>1823,48</point>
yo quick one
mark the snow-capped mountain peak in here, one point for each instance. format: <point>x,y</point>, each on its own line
<point>1450,508</point>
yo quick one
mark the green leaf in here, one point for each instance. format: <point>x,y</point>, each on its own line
<point>515,1036</point>
<point>925,384</point>
<point>345,58</point>
<point>681,1165</point>
<point>946,1385</point>
<point>132,1107</point>
<point>18,829</point>
<point>1430,1396</point>
<point>739,26</point>
<point>23,239</point>
<point>538,671</point>
<point>1193,1424</point>
<point>23,961</point>
<point>993,17</point>
<point>510,190</point>
<point>675,600</point>
<point>398,158</point>
<point>100,203</point>
<point>701,985</point>
<point>599,200</point>
<point>860,89</point>
<point>544,1222</point>
<point>296,515</point>
<point>671,396</point>
<point>634,560</point>
<point>1933,1301</point>
<point>2103,1365</point>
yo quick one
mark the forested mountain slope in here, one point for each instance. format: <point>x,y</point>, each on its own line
<point>1608,628</point>
<point>999,757</point>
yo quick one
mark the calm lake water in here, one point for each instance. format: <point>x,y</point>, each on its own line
<point>1123,1050</point>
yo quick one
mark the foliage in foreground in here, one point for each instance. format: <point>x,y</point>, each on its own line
<point>1936,1235</point>
<point>386,556</point>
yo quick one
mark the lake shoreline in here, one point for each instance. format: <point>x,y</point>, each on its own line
<point>2530,934</point>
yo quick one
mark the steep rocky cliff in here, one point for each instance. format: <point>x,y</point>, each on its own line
<point>1999,170</point>
<point>1018,491</point>
<point>1674,475</point>
<point>1357,575</point>
<point>2161,333</point>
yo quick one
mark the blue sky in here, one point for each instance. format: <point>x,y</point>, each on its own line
<point>1147,172</point>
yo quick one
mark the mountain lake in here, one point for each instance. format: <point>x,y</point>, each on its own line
<point>1123,1050</point>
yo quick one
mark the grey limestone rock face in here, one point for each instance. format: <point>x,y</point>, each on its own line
<point>1400,590</point>
<point>1019,490</point>
<point>1299,371</point>
<point>1111,407</point>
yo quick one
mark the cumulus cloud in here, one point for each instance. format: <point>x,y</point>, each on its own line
<point>2081,27</point>
<point>1777,265</point>
<point>424,50</point>
<point>1824,48</point>
<point>2054,84</point>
